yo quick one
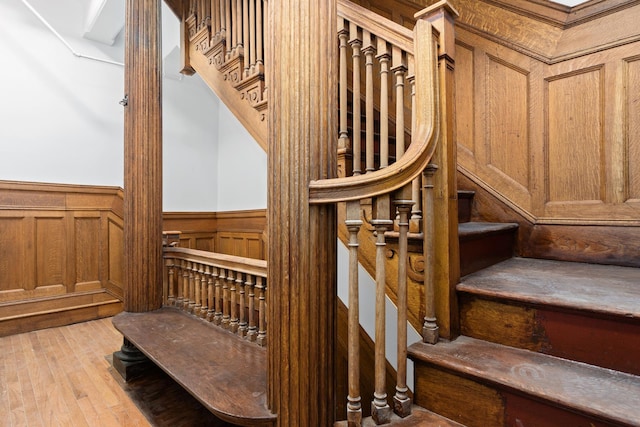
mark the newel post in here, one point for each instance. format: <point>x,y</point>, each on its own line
<point>303,129</point>
<point>142,167</point>
<point>447,266</point>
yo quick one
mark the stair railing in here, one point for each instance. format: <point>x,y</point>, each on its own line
<point>226,290</point>
<point>412,57</point>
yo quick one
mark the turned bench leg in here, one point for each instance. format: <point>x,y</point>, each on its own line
<point>129,361</point>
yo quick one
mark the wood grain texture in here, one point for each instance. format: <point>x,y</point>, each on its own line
<point>231,376</point>
<point>302,238</point>
<point>594,393</point>
<point>143,157</point>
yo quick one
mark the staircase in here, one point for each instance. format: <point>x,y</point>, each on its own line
<point>518,341</point>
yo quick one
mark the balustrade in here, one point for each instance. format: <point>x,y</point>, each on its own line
<point>222,289</point>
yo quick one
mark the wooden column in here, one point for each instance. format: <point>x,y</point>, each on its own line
<point>303,135</point>
<point>143,157</point>
<point>142,171</point>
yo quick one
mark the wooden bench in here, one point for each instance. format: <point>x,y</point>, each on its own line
<point>225,373</point>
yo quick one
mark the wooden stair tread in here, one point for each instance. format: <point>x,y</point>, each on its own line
<point>605,289</point>
<point>470,230</point>
<point>591,390</point>
<point>225,373</point>
<point>419,417</point>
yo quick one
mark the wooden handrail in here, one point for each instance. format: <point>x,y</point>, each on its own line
<point>425,133</point>
<point>255,267</point>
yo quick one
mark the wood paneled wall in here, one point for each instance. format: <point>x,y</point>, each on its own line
<point>241,233</point>
<point>59,239</point>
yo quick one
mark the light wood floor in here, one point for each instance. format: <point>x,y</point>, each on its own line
<point>63,377</point>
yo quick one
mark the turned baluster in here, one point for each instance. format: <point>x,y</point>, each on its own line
<point>369,53</point>
<point>171,292</point>
<point>343,137</point>
<point>237,46</point>
<point>202,310</point>
<point>383,57</point>
<point>250,54</point>
<point>236,288</point>
<point>354,406</point>
<point>401,400</point>
<point>262,312</point>
<point>231,27</point>
<point>430,330</point>
<point>194,307</point>
<point>220,282</point>
<point>206,14</point>
<point>224,19</point>
<point>179,302</point>
<point>226,298</point>
<point>415,188</point>
<point>245,36</point>
<point>252,330</point>
<point>185,284</point>
<point>399,69</point>
<point>356,46</point>
<point>215,18</point>
<point>213,275</point>
<point>259,36</point>
<point>380,409</point>
<point>243,326</point>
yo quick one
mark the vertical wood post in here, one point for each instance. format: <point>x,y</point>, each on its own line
<point>303,135</point>
<point>447,274</point>
<point>143,157</point>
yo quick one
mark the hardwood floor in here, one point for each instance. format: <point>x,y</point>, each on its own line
<point>63,377</point>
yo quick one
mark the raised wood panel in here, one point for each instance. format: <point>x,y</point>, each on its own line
<point>507,100</point>
<point>575,136</point>
<point>88,252</point>
<point>116,262</point>
<point>13,254</point>
<point>51,252</point>
<point>632,120</point>
<point>465,96</point>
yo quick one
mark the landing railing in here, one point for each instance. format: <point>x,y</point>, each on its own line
<point>226,290</point>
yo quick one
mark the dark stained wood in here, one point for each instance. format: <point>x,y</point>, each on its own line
<point>225,373</point>
<point>143,157</point>
<point>465,202</point>
<point>608,290</point>
<point>593,392</point>
<point>484,243</point>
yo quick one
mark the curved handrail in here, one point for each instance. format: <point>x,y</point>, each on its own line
<point>419,153</point>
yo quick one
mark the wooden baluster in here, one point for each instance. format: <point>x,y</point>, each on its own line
<point>369,53</point>
<point>206,14</point>
<point>215,18</point>
<point>354,406</point>
<point>239,30</point>
<point>380,409</point>
<point>262,312</point>
<point>245,36</point>
<point>221,280</point>
<point>399,69</point>
<point>171,291</point>
<point>226,316</point>
<point>250,57</point>
<point>238,288</point>
<point>383,57</point>
<point>231,31</point>
<point>252,331</point>
<point>242,325</point>
<point>260,36</point>
<point>185,283</point>
<point>213,276</point>
<point>401,400</point>
<point>430,330</point>
<point>179,279</point>
<point>356,45</point>
<point>343,136</point>
<point>224,19</point>
<point>202,310</point>
<point>194,297</point>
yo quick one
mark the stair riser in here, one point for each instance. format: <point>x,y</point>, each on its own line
<point>479,253</point>
<point>607,342</point>
<point>482,405</point>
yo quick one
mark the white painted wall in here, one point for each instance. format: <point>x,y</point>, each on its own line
<point>60,120</point>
